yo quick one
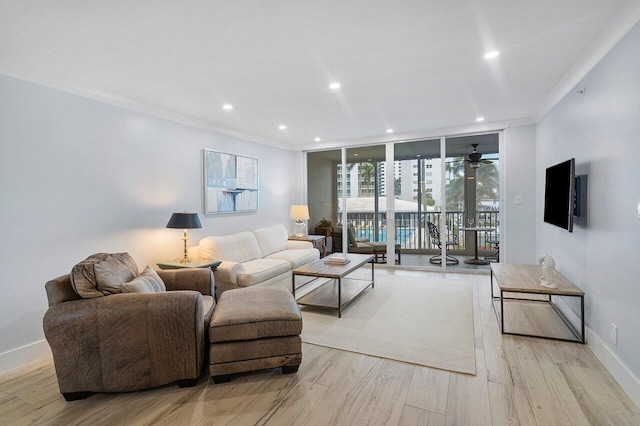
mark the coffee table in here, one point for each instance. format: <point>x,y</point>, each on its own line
<point>339,290</point>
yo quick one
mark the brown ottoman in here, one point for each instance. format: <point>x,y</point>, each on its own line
<point>254,329</point>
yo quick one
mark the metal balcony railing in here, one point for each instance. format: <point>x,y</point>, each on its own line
<point>412,232</point>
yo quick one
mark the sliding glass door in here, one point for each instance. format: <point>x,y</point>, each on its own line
<point>427,191</point>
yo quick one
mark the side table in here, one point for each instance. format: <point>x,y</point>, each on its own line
<point>317,240</point>
<point>195,263</point>
<point>525,279</point>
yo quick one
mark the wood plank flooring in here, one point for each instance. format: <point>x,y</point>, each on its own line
<point>519,381</point>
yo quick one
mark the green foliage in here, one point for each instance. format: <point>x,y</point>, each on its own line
<point>454,187</point>
<point>324,223</point>
<point>487,183</point>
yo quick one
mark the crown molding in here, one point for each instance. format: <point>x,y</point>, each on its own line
<point>627,16</point>
<point>17,71</point>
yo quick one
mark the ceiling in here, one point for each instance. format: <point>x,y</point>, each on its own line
<point>407,65</point>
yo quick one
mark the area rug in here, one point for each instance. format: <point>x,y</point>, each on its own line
<point>425,321</point>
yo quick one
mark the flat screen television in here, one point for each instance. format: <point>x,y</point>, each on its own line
<point>559,194</point>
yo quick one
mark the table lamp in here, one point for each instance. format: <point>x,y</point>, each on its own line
<point>184,221</point>
<point>299,213</point>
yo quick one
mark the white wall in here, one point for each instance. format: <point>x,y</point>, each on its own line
<point>601,129</point>
<point>518,158</point>
<point>78,176</point>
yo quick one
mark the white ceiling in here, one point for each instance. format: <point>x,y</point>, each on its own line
<point>408,65</point>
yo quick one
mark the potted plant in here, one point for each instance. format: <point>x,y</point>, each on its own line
<point>323,227</point>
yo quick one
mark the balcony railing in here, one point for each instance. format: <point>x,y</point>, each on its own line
<point>412,232</point>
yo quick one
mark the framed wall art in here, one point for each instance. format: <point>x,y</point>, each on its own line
<point>230,183</point>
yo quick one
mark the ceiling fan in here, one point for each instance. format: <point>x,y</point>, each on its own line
<point>475,158</point>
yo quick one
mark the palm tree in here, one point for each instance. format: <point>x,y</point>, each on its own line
<point>454,187</point>
<point>487,183</point>
<point>365,173</point>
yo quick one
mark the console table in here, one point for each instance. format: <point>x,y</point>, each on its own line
<point>538,313</point>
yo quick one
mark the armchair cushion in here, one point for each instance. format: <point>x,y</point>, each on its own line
<point>148,282</point>
<point>197,279</point>
<point>102,274</point>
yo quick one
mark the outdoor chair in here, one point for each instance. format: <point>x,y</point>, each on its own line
<point>434,234</point>
<point>356,245</point>
<point>495,256</point>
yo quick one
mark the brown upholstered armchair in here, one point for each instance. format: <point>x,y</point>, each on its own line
<point>129,341</point>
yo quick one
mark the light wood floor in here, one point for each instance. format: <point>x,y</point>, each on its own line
<point>519,381</point>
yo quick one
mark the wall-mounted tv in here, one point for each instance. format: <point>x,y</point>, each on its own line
<point>559,195</point>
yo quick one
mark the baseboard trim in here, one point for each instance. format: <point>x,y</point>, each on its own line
<point>24,355</point>
<point>623,375</point>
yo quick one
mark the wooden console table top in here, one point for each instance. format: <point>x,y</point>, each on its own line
<point>524,278</point>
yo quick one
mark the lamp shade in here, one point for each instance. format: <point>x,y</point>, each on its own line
<point>299,212</point>
<point>184,221</point>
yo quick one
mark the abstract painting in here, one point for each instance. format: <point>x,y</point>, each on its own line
<point>230,183</point>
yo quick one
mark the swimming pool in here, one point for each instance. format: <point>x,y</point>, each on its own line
<point>402,234</point>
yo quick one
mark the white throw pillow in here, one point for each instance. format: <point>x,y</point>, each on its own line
<point>148,282</point>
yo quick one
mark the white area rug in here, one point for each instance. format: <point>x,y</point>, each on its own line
<point>425,321</point>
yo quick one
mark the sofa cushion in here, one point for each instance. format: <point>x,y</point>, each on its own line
<point>239,247</point>
<point>271,239</point>
<point>296,257</point>
<point>259,270</point>
<point>102,274</point>
<point>255,313</point>
<point>148,282</point>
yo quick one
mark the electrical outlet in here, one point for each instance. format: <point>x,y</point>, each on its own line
<point>518,200</point>
<point>614,334</point>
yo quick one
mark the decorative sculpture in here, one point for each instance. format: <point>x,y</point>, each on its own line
<point>548,271</point>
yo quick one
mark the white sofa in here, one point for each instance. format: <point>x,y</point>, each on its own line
<point>262,257</point>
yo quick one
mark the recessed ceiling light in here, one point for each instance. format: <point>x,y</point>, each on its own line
<point>480,119</point>
<point>227,106</point>
<point>334,86</point>
<point>491,55</point>
<point>282,127</point>
<point>355,155</point>
<point>317,139</point>
<point>389,130</point>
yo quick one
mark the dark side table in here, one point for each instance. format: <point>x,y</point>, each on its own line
<point>318,242</point>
